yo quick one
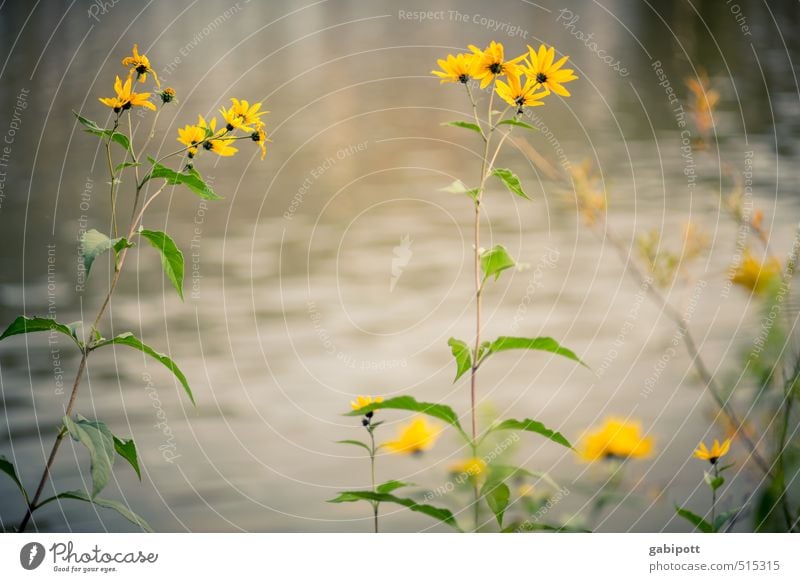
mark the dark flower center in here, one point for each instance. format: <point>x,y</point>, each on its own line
<point>126,106</point>
<point>496,68</point>
<point>463,78</point>
<point>713,460</point>
<point>229,127</point>
<point>207,145</point>
<point>141,69</point>
<point>541,78</point>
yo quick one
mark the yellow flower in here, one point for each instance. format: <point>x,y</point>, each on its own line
<point>191,136</point>
<point>242,115</point>
<point>490,63</point>
<point>547,73</point>
<point>616,439</point>
<point>457,68</point>
<point>472,467</point>
<point>715,453</point>
<point>219,146</point>
<point>414,438</point>
<point>126,98</point>
<point>167,95</point>
<point>755,275</point>
<point>260,137</point>
<point>518,95</point>
<point>140,65</point>
<point>362,401</point>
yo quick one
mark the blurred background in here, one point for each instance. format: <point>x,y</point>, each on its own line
<point>291,305</point>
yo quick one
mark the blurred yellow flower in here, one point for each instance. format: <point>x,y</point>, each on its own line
<point>518,95</point>
<point>616,439</point>
<point>220,146</point>
<point>713,455</point>
<point>140,65</point>
<point>242,115</point>
<point>589,194</point>
<point>167,95</point>
<point>260,137</point>
<point>704,101</point>
<point>362,401</point>
<point>126,98</point>
<point>756,276</point>
<point>191,136</point>
<point>549,74</point>
<point>473,467</point>
<point>456,68</point>
<point>490,63</point>
<point>414,438</point>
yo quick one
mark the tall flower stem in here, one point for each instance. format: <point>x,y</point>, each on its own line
<point>714,498</point>
<point>373,450</point>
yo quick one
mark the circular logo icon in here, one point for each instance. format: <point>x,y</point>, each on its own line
<point>31,555</point>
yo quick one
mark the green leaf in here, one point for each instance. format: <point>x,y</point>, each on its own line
<point>464,125</point>
<point>545,344</point>
<point>390,486</point>
<point>495,261</point>
<point>171,257</point>
<point>497,496</point>
<point>189,178</point>
<point>124,165</point>
<point>120,508</point>
<point>440,411</point>
<point>463,356</point>
<point>128,339</point>
<point>530,527</point>
<point>713,483</point>
<point>511,181</point>
<point>356,443</point>
<point>723,518</point>
<point>126,449</point>
<point>443,515</point>
<point>94,243</point>
<point>91,127</point>
<point>695,520</point>
<point>96,437</point>
<point>533,426</point>
<point>24,324</point>
<point>518,123</point>
<point>8,468</point>
<point>458,187</point>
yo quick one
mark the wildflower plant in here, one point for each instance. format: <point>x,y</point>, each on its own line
<point>714,480</point>
<point>523,81</point>
<point>149,178</point>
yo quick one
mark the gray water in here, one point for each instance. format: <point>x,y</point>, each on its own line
<point>290,306</point>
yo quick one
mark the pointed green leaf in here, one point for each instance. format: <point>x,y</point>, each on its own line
<point>464,125</point>
<point>128,339</point>
<point>8,468</point>
<point>171,257</point>
<point>511,181</point>
<point>124,165</point>
<point>463,356</point>
<point>518,123</point>
<point>695,520</point>
<point>440,411</point>
<point>126,449</point>
<point>497,496</point>
<point>458,187</point>
<point>390,486</point>
<point>713,483</point>
<point>530,425</point>
<point>24,324</point>
<point>495,261</point>
<point>99,441</point>
<point>356,443</point>
<point>528,526</point>
<point>723,518</point>
<point>546,344</point>
<point>91,127</point>
<point>189,178</point>
<point>94,243</point>
<point>443,515</point>
<point>120,508</point>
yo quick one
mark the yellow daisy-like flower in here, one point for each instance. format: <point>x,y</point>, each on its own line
<point>472,467</point>
<point>755,275</point>
<point>167,95</point>
<point>616,439</point>
<point>140,65</point>
<point>362,401</point>
<point>713,455</point>
<point>547,73</point>
<point>518,95</point>
<point>242,115</point>
<point>126,98</point>
<point>260,137</point>
<point>490,63</point>
<point>456,68</point>
<point>191,136</point>
<point>219,146</point>
<point>414,438</point>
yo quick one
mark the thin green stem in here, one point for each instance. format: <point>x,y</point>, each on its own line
<point>372,451</point>
<point>714,499</point>
<point>113,182</point>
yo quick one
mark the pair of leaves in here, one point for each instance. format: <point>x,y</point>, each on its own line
<point>120,508</point>
<point>704,525</point>
<point>495,261</point>
<point>506,176</point>
<point>91,127</point>
<point>23,324</point>
<point>476,128</point>
<point>409,403</point>
<point>458,187</point>
<point>713,482</point>
<point>190,178</point>
<point>438,513</point>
